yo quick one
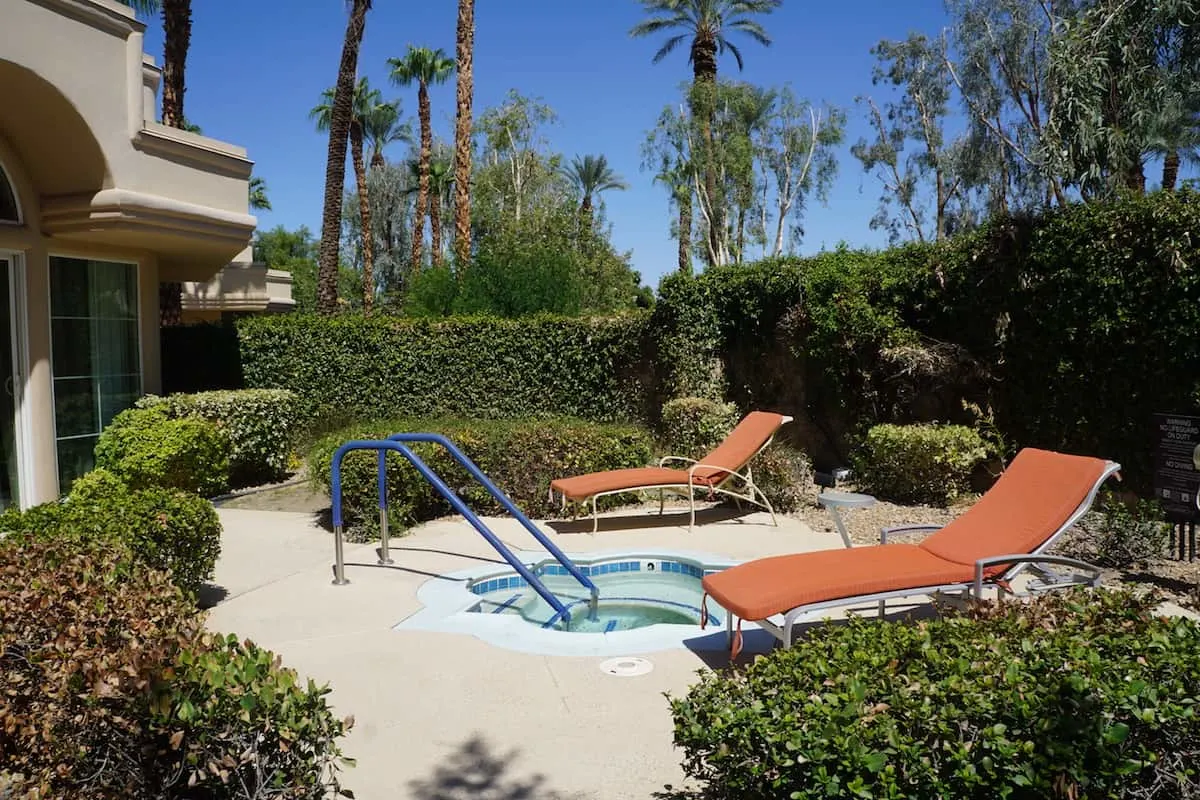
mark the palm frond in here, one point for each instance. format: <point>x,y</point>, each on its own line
<point>669,46</point>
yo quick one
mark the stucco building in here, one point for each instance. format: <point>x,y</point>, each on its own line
<point>98,205</point>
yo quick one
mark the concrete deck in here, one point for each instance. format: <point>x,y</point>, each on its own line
<point>447,716</point>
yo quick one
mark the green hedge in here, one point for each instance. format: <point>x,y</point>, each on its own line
<point>931,464</point>
<point>1085,695</point>
<point>165,529</point>
<point>262,425</point>
<point>147,447</point>
<point>521,458</point>
<point>378,367</point>
<point>694,426</point>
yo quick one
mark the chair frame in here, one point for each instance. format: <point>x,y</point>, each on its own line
<point>1018,562</point>
<point>754,495</point>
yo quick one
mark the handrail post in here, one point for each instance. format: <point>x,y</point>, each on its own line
<point>335,489</point>
<point>385,557</point>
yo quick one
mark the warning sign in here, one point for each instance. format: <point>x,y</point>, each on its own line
<point>1177,465</point>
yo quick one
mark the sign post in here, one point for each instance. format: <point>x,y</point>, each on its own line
<point>1177,477</point>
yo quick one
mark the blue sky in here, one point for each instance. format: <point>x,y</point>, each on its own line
<point>256,69</point>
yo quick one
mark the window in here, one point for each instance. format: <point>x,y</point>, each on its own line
<point>95,354</point>
<point>9,212</point>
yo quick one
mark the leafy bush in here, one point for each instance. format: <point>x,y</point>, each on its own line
<point>164,529</point>
<point>929,464</point>
<point>1120,533</point>
<point>261,423</point>
<point>147,447</point>
<point>1084,695</point>
<point>521,458</point>
<point>262,728</point>
<point>382,367</point>
<point>782,473</point>
<point>112,690</point>
<point>693,426</point>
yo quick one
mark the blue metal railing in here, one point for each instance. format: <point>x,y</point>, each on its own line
<point>397,444</point>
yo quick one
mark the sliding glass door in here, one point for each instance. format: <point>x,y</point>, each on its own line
<point>96,354</point>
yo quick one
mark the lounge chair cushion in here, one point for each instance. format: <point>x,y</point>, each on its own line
<point>759,589</point>
<point>1030,502</point>
<point>581,487</point>
<point>742,443</point>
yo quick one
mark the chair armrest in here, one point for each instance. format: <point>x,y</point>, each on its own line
<point>1029,558</point>
<point>663,461</point>
<point>884,533</point>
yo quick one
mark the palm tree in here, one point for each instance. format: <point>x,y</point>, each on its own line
<point>341,115</point>
<point>464,51</point>
<point>441,183</point>
<point>258,194</point>
<point>423,67</point>
<point>365,103</point>
<point>704,23</point>
<point>591,175</point>
<point>383,126</point>
<point>177,38</point>
<point>1175,137</point>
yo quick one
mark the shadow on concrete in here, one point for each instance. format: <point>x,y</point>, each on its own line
<point>673,518</point>
<point>475,771</point>
<point>210,594</point>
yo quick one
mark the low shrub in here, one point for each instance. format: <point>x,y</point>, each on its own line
<point>693,426</point>
<point>521,458</point>
<point>1083,695</point>
<point>148,447</point>
<point>261,424</point>
<point>1120,533</point>
<point>925,463</point>
<point>782,473</point>
<point>164,529</point>
<point>112,690</point>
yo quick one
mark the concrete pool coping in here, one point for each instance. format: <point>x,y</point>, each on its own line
<point>447,603</point>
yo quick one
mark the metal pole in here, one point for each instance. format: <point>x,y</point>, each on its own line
<point>384,556</point>
<point>339,563</point>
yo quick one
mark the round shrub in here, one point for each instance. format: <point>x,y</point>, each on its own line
<point>108,675</point>
<point>521,458</point>
<point>782,473</point>
<point>164,529</point>
<point>693,426</point>
<point>1120,534</point>
<point>1088,694</point>
<point>926,463</point>
<point>146,447</point>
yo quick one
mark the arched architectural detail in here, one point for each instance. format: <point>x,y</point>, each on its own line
<point>10,203</point>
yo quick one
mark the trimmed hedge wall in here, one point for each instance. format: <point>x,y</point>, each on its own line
<point>355,367</point>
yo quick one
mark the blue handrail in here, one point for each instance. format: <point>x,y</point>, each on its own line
<point>502,499</point>
<point>383,447</point>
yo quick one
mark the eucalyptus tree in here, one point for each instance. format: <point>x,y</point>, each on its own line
<point>703,25</point>
<point>916,67</point>
<point>424,67</point>
<point>516,153</point>
<point>665,153</point>
<point>341,116</point>
<point>464,97</point>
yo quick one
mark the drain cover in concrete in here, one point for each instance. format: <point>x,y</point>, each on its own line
<point>626,666</point>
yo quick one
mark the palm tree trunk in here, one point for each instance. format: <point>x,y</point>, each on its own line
<point>1170,173</point>
<point>418,239</point>
<point>1135,177</point>
<point>435,227</point>
<point>704,73</point>
<point>377,159</point>
<point>464,92</point>
<point>335,163</point>
<point>364,210</point>
<point>177,37</point>
<point>685,233</point>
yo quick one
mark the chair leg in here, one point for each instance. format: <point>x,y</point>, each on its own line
<point>691,508</point>
<point>662,500</point>
<point>595,516</point>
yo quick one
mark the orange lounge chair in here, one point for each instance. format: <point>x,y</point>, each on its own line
<point>712,474</point>
<point>1038,497</point>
